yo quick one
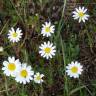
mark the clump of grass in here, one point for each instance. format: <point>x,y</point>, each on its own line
<point>71,39</point>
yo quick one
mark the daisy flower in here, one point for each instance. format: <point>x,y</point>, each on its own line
<point>80,14</point>
<point>15,36</point>
<point>11,66</point>
<point>38,78</point>
<point>25,74</point>
<point>74,69</point>
<point>1,49</point>
<point>47,29</point>
<point>47,50</point>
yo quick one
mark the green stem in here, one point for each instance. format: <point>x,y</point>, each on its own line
<point>23,89</point>
<point>60,23</point>
<point>6,86</point>
<point>51,71</point>
<point>4,27</point>
<point>41,90</point>
<point>64,61</point>
<point>62,45</point>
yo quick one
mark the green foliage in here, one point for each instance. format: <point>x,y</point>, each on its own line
<point>68,47</point>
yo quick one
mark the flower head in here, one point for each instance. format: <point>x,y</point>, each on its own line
<point>38,78</point>
<point>47,50</point>
<point>80,14</point>
<point>74,69</point>
<point>11,66</point>
<point>14,36</point>
<point>25,74</point>
<point>47,29</point>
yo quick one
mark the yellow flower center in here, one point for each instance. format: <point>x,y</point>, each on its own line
<point>38,78</point>
<point>81,14</point>
<point>47,50</point>
<point>14,34</point>
<point>74,69</point>
<point>11,66</point>
<point>24,73</point>
<point>47,29</point>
